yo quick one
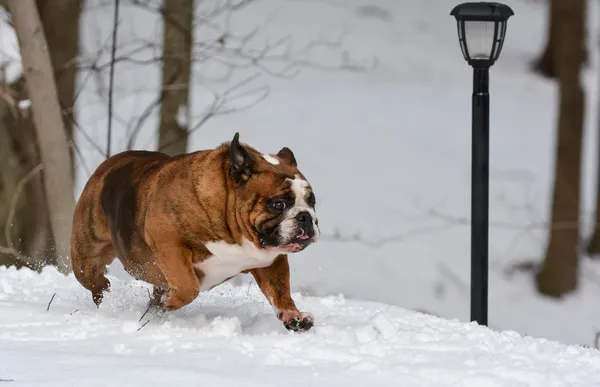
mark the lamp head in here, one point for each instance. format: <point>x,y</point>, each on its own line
<point>481,30</point>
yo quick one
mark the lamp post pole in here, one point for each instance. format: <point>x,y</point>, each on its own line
<point>481,32</point>
<point>480,162</point>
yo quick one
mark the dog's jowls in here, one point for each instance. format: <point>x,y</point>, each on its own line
<point>187,223</point>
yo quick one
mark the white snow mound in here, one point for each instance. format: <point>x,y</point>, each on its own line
<point>230,337</point>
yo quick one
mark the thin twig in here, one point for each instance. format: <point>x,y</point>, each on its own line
<point>15,199</point>
<point>93,66</point>
<point>29,262</point>
<point>143,325</point>
<point>52,299</point>
<point>86,136</point>
<point>147,309</point>
<point>217,107</point>
<point>86,168</point>
<point>556,226</point>
<point>449,273</point>
<point>149,109</point>
<point>149,305</point>
<point>112,76</point>
<point>356,238</point>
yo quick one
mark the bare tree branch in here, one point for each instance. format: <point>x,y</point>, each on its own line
<point>376,244</point>
<point>219,105</point>
<point>219,46</point>
<point>112,77</point>
<point>10,249</point>
<point>507,225</point>
<point>144,116</point>
<point>50,303</point>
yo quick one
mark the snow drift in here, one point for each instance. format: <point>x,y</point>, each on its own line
<point>52,334</point>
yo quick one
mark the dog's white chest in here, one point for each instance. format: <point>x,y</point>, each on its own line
<point>229,260</point>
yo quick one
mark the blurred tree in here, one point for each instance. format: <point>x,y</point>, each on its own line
<point>60,20</point>
<point>593,247</point>
<point>48,124</point>
<point>177,56</point>
<point>25,227</point>
<point>545,64</point>
<point>558,274</point>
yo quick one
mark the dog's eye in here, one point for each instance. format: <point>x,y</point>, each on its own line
<point>311,200</point>
<point>278,205</point>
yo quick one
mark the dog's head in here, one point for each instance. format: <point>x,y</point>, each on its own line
<point>273,200</point>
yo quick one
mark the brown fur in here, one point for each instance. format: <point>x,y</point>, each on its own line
<point>155,212</point>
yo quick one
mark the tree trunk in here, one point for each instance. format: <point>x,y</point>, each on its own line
<point>593,247</point>
<point>545,64</point>
<point>30,228</point>
<point>48,123</point>
<point>558,274</point>
<point>60,20</point>
<point>177,57</point>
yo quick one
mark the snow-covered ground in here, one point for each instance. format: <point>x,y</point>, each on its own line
<point>230,337</point>
<point>388,154</point>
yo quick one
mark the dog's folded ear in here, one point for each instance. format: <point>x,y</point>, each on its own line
<point>287,155</point>
<point>240,160</point>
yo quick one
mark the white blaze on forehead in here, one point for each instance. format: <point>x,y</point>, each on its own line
<point>270,159</point>
<point>299,188</point>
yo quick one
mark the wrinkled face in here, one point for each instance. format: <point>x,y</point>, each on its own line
<point>275,198</point>
<point>293,223</point>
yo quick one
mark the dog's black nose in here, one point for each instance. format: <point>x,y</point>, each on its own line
<point>303,218</point>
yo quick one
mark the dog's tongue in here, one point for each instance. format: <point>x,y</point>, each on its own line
<point>303,236</point>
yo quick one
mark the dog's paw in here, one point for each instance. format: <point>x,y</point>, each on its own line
<point>296,321</point>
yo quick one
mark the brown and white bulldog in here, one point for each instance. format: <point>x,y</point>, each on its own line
<point>186,224</point>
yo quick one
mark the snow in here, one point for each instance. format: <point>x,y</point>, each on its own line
<point>10,58</point>
<point>182,119</point>
<point>24,104</point>
<point>231,337</point>
<point>271,159</point>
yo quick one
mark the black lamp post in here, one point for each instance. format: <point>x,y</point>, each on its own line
<point>481,31</point>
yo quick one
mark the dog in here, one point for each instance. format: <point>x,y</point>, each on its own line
<point>188,223</point>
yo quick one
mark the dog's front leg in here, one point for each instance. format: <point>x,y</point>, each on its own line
<point>175,262</point>
<point>274,282</point>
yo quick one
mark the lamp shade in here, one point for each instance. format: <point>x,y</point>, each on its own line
<point>481,30</point>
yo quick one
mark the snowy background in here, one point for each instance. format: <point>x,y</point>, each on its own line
<point>387,151</point>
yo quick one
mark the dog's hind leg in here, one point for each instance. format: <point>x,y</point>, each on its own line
<point>89,262</point>
<point>157,299</point>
